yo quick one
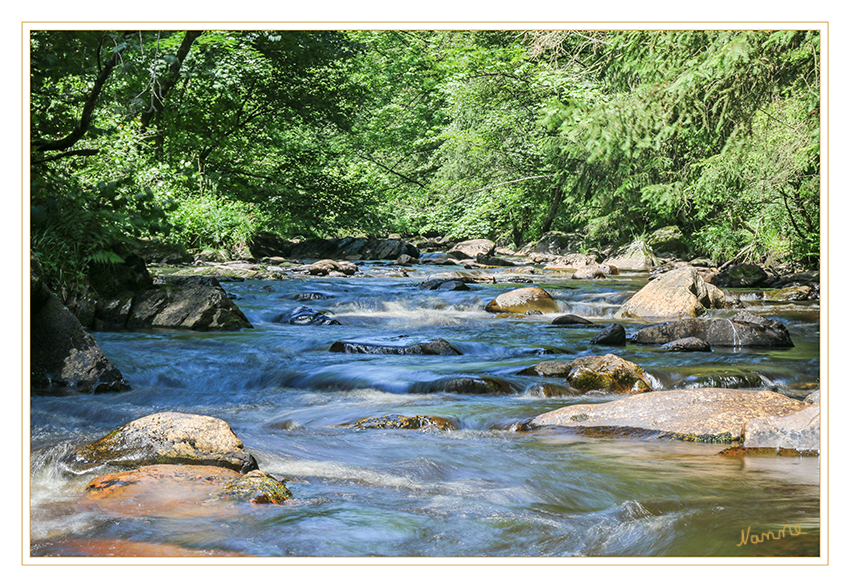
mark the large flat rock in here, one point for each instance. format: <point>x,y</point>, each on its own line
<point>710,415</point>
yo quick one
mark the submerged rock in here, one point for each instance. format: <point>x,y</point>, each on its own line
<point>172,489</point>
<point>794,293</point>
<point>745,329</point>
<point>705,415</point>
<point>433,347</point>
<point>403,422</point>
<point>607,373</point>
<point>520,301</point>
<point>471,385</point>
<point>676,294</point>
<point>571,320</point>
<point>165,438</point>
<point>302,315</point>
<point>444,285</point>
<point>254,487</point>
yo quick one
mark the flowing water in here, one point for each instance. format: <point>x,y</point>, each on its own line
<point>480,490</point>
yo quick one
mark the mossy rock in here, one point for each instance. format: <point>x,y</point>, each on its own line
<point>397,421</point>
<point>255,487</point>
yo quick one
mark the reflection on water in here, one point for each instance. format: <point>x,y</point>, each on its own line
<point>481,489</point>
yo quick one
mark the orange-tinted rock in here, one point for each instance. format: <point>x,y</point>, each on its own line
<point>104,547</point>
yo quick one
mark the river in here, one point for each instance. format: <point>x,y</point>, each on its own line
<point>482,489</point>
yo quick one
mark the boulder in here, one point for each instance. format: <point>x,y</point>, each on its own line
<point>165,438</point>
<point>571,261</point>
<point>254,487</point>
<point>398,421</point>
<point>635,256</point>
<point>108,279</point>
<point>466,385</point>
<point>571,320</point>
<point>613,334</point>
<point>799,430</point>
<point>492,261</point>
<point>667,240</point>
<point>595,271</point>
<point>302,315</point>
<point>745,329</point>
<point>676,294</point>
<point>330,268</point>
<point>472,248</point>
<point>520,301</point>
<point>433,347</point>
<point>743,275</point>
<point>267,244</point>
<point>444,285</point>
<point>606,373</point>
<point>63,356</point>
<point>690,344</point>
<point>706,415</point>
<point>195,303</point>
<point>171,489</point>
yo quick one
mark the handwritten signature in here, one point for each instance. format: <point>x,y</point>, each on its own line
<point>747,538</point>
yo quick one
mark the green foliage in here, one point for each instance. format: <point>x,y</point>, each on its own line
<point>500,134</point>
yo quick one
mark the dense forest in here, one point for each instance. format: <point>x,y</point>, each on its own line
<point>205,138</point>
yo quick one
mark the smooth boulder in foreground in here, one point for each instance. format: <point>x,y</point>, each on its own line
<point>165,438</point>
<point>522,300</point>
<point>679,293</point>
<point>707,415</point>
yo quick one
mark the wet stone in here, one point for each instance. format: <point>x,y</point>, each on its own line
<point>403,422</point>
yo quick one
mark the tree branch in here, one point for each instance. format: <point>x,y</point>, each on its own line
<point>78,152</point>
<point>88,109</point>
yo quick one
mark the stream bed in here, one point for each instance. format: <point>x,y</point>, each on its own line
<point>482,489</point>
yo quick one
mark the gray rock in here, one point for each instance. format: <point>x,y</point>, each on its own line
<point>743,275</point>
<point>466,385</point>
<point>708,415</point>
<point>690,344</point>
<point>613,334</point>
<point>635,256</point>
<point>165,438</point>
<point>63,356</point>
<point>433,347</point>
<point>742,330</point>
<point>195,303</point>
<point>676,294</point>
<point>472,248</point>
<point>799,430</point>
